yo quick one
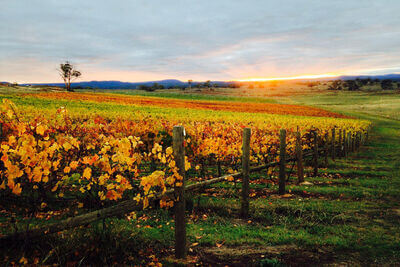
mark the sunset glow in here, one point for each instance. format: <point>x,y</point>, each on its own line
<point>317,76</point>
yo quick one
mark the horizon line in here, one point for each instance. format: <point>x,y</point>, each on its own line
<point>253,79</point>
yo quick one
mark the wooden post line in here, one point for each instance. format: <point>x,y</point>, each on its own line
<point>178,136</point>
<point>244,210</point>
<point>282,161</point>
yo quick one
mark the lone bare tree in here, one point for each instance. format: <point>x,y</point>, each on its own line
<point>68,73</point>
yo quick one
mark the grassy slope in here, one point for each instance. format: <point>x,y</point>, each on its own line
<point>353,214</point>
<point>361,104</point>
<point>350,214</point>
<point>373,174</point>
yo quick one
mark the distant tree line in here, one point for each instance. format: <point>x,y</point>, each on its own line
<point>358,84</point>
<point>190,84</point>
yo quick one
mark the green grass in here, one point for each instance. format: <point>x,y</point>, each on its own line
<point>360,104</point>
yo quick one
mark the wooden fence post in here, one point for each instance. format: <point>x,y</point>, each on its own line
<point>362,138</point>
<point>326,149</point>
<point>244,210</point>
<point>219,170</point>
<point>299,158</point>
<point>356,141</point>
<point>340,144</point>
<point>333,144</point>
<point>348,142</point>
<point>315,156</point>
<point>180,220</point>
<point>344,144</point>
<point>1,154</point>
<point>282,161</point>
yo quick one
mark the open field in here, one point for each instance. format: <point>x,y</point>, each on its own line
<point>348,214</point>
<point>248,107</point>
<point>381,104</point>
<point>263,89</point>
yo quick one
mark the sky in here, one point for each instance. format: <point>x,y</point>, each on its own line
<point>143,40</point>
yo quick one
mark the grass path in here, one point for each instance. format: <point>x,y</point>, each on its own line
<point>375,169</point>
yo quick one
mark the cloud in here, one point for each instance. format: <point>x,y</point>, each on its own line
<point>140,40</point>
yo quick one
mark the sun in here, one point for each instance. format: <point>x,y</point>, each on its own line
<point>300,77</point>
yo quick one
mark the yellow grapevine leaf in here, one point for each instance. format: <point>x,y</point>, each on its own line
<point>87,173</point>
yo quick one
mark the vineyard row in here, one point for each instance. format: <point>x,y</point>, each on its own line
<point>335,147</point>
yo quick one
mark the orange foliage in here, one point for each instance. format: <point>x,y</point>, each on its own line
<point>99,158</point>
<point>194,104</point>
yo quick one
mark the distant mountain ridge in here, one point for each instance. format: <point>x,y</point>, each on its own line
<point>128,85</point>
<point>177,83</point>
<point>395,77</point>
